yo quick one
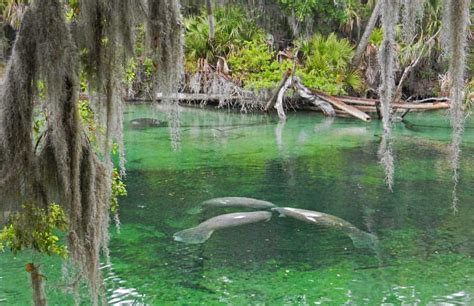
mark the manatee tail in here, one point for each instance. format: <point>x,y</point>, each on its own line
<point>193,235</point>
<point>362,239</point>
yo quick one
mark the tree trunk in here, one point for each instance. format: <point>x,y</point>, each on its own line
<point>37,286</point>
<point>210,19</point>
<point>364,41</point>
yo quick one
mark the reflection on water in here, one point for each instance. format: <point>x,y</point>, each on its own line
<point>310,162</point>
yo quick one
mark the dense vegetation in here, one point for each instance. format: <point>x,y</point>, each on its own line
<point>61,100</point>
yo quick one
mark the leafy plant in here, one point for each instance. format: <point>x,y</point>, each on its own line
<point>376,37</point>
<point>326,64</point>
<point>34,228</point>
<point>232,30</point>
<point>255,66</point>
<point>118,190</point>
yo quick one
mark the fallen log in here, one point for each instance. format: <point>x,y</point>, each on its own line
<point>358,101</point>
<point>422,106</point>
<point>342,106</point>
<point>306,94</point>
<point>438,103</point>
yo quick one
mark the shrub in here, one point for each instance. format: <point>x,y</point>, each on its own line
<point>255,66</point>
<point>232,30</point>
<point>326,64</point>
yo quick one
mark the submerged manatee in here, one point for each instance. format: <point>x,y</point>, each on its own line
<point>141,123</point>
<point>359,238</point>
<point>203,231</point>
<point>233,202</point>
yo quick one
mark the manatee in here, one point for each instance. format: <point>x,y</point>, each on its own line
<point>141,123</point>
<point>359,238</point>
<point>203,231</point>
<point>232,202</point>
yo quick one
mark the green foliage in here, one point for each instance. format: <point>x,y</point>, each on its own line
<point>376,37</point>
<point>232,30</point>
<point>34,228</point>
<point>118,190</point>
<point>13,11</point>
<point>87,116</point>
<point>326,64</point>
<point>129,73</point>
<point>305,8</point>
<point>329,14</point>
<point>255,66</point>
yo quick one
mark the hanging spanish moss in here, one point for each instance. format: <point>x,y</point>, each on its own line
<point>165,39</point>
<point>454,37</point>
<point>105,31</point>
<point>412,12</point>
<point>16,114</point>
<point>62,166</point>
<point>387,61</point>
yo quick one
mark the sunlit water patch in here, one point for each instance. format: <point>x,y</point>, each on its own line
<point>424,253</point>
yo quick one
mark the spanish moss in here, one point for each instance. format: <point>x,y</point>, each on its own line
<point>62,166</point>
<point>454,36</point>
<point>412,12</point>
<point>165,39</point>
<point>105,30</point>
<point>387,61</point>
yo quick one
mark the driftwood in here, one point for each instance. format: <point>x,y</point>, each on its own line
<point>272,101</point>
<point>280,97</point>
<point>351,110</point>
<point>438,103</point>
<point>306,94</point>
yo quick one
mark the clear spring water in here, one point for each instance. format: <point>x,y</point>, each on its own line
<point>311,162</point>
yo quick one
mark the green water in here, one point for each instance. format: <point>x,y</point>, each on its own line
<point>425,249</point>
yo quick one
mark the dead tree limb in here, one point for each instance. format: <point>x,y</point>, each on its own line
<point>413,64</point>
<point>306,94</point>
<point>272,101</point>
<point>280,97</point>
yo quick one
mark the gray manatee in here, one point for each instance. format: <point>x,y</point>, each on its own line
<point>232,202</point>
<point>359,238</point>
<point>203,231</point>
<point>141,123</point>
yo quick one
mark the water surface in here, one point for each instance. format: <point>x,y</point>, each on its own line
<point>310,162</point>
